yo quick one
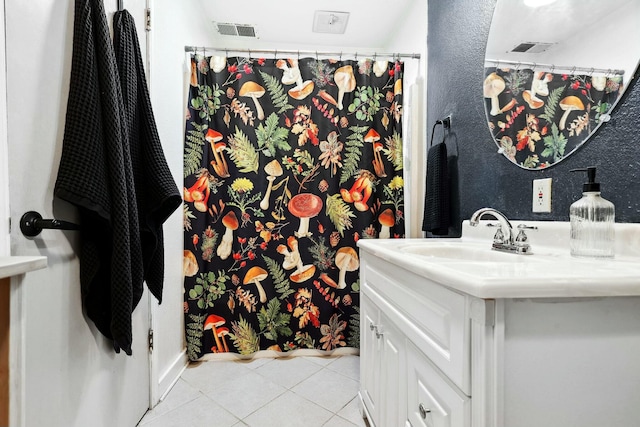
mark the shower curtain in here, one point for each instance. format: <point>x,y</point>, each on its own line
<point>287,163</point>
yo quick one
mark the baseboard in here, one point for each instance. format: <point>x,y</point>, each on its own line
<point>270,354</point>
<point>172,374</point>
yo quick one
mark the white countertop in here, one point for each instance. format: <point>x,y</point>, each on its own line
<point>15,265</point>
<point>549,273</point>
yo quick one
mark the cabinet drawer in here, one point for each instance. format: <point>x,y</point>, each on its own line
<point>432,400</point>
<point>432,316</point>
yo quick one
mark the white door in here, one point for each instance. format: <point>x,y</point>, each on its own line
<point>66,374</point>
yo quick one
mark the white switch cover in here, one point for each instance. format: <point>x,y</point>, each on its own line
<point>541,201</point>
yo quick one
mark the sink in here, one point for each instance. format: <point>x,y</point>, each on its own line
<point>462,252</point>
<point>468,264</point>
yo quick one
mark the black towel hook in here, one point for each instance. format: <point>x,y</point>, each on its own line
<point>446,124</point>
<point>31,224</point>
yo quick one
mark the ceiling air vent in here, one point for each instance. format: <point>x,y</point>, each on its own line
<point>241,30</point>
<point>532,47</point>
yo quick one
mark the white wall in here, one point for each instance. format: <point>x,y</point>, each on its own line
<point>64,374</point>
<point>173,28</point>
<point>4,161</point>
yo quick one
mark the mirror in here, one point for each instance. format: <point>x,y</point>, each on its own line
<point>554,70</point>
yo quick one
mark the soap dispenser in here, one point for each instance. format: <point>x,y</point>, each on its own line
<point>592,221</point>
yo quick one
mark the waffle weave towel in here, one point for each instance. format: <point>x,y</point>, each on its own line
<point>437,217</point>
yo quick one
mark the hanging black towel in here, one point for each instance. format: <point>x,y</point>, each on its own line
<point>95,175</point>
<point>157,194</point>
<point>437,217</point>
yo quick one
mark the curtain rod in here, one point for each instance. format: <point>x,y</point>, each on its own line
<point>552,67</point>
<point>275,52</point>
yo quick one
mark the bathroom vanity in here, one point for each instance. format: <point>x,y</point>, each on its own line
<point>455,334</point>
<point>10,266</point>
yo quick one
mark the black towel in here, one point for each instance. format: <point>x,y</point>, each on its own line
<point>437,217</point>
<point>96,174</point>
<point>157,194</point>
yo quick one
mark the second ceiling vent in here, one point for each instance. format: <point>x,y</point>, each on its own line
<point>241,30</point>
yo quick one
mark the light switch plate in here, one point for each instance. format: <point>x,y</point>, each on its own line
<point>541,200</point>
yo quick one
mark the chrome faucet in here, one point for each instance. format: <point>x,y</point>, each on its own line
<point>504,239</point>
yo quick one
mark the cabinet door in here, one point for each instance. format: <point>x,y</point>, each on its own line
<point>370,358</point>
<point>433,401</point>
<point>393,393</point>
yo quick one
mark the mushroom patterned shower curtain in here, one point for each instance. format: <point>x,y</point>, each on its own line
<point>287,163</point>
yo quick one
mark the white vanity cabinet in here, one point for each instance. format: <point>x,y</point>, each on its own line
<point>415,362</point>
<point>384,382</point>
<point>436,355</point>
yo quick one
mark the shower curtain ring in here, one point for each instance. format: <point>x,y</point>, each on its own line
<point>591,72</point>
<point>298,55</point>
<point>341,56</point>
<point>317,56</point>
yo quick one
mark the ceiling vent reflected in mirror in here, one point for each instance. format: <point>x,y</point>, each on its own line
<point>330,22</point>
<point>241,30</point>
<point>531,47</point>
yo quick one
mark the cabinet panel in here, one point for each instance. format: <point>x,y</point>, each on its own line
<point>394,384</point>
<point>432,401</point>
<point>431,316</point>
<point>370,357</point>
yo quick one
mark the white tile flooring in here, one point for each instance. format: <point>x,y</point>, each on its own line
<point>290,392</point>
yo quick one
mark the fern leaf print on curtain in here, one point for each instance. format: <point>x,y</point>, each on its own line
<point>287,163</point>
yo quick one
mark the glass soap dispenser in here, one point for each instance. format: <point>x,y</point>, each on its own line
<point>592,221</point>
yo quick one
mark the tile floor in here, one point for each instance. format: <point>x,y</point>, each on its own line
<point>291,392</point>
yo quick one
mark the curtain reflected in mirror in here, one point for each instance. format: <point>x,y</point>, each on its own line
<point>539,118</point>
<point>554,73</point>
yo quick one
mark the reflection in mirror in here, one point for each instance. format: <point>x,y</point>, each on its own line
<point>554,71</point>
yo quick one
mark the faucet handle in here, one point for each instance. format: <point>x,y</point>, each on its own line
<point>499,236</point>
<point>527,227</point>
<point>522,236</point>
<point>521,241</point>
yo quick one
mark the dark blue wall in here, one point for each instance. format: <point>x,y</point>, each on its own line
<point>457,35</point>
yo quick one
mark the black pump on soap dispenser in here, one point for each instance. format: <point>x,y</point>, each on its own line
<point>592,219</point>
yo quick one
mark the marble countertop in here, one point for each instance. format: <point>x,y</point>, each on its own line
<point>15,265</point>
<point>551,272</point>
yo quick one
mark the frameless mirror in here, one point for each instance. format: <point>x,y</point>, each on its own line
<point>554,69</point>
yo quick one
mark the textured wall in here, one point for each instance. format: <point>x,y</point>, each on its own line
<point>457,34</point>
